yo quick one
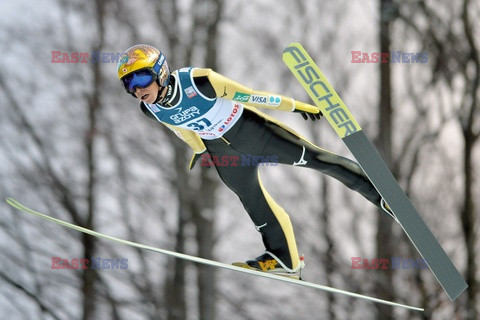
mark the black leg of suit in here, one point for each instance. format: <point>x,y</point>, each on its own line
<point>255,135</point>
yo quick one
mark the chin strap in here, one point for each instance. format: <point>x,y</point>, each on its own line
<point>159,94</point>
<point>167,96</point>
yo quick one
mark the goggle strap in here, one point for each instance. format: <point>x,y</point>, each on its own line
<point>158,65</point>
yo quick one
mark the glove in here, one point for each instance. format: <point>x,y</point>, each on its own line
<point>312,116</point>
<point>307,111</point>
<point>205,159</point>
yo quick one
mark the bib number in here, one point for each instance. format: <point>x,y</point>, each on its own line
<point>200,124</point>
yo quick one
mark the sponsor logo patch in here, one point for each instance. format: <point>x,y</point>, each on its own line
<point>274,101</point>
<point>154,108</point>
<point>258,99</point>
<point>240,96</point>
<point>190,92</point>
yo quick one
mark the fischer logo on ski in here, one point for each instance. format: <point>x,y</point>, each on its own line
<point>344,124</point>
<point>314,83</point>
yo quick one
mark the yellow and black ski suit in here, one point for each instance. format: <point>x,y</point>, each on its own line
<point>219,119</point>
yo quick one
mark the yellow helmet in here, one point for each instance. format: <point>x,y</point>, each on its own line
<point>143,58</point>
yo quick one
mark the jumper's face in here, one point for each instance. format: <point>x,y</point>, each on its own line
<point>148,94</point>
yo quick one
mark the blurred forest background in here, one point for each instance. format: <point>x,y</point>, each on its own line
<point>73,144</point>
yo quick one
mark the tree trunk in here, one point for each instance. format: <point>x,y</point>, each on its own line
<point>468,226</point>
<point>470,138</point>
<point>89,277</point>
<point>204,220</point>
<point>175,294</point>
<point>384,240</point>
<point>209,16</point>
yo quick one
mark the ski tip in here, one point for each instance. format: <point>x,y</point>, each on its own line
<point>292,45</point>
<point>14,203</point>
<point>294,54</point>
<point>295,44</point>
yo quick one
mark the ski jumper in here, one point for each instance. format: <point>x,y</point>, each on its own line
<point>218,116</point>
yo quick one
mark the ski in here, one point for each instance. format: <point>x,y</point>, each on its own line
<point>347,128</point>
<point>17,205</point>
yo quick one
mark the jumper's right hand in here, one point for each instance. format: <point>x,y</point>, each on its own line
<point>307,111</point>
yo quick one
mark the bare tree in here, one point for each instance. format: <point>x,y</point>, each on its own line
<point>455,56</point>
<point>469,119</point>
<point>64,172</point>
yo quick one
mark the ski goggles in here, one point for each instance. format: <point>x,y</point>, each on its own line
<point>138,79</point>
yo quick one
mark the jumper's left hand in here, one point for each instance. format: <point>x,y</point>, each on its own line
<point>204,159</point>
<point>307,111</point>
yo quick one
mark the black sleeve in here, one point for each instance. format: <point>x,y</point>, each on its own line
<point>205,87</point>
<point>145,111</point>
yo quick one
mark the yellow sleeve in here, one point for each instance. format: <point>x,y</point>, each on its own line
<point>192,139</point>
<point>229,89</point>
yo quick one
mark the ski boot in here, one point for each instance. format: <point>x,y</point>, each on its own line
<point>267,262</point>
